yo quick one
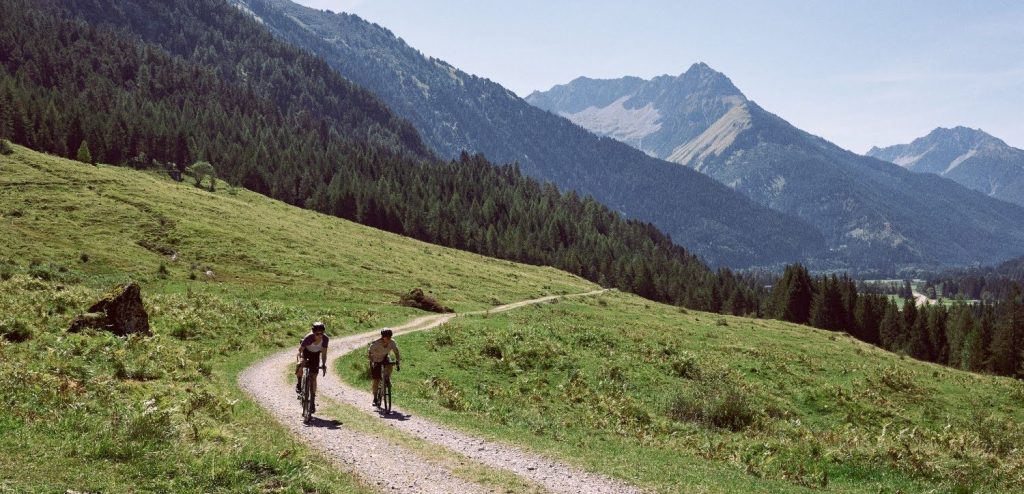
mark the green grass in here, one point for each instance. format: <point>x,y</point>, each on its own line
<point>693,402</point>
<point>92,412</point>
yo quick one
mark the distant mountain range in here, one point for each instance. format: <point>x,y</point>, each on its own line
<point>970,157</point>
<point>873,214</point>
<point>455,111</point>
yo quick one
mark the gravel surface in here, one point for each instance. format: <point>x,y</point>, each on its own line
<point>390,466</point>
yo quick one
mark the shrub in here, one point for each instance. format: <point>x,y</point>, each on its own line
<point>718,403</point>
<point>14,331</point>
<point>5,147</point>
<point>6,271</point>
<point>686,366</point>
<point>447,394</point>
<point>895,378</point>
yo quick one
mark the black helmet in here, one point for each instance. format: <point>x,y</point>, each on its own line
<point>319,326</point>
<point>386,333</point>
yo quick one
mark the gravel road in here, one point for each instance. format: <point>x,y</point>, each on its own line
<point>391,467</point>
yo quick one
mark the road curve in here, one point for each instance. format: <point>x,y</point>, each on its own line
<point>391,467</point>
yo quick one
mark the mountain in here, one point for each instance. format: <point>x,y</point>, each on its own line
<point>146,82</point>
<point>969,157</point>
<point>874,215</point>
<point>655,116</point>
<point>456,111</point>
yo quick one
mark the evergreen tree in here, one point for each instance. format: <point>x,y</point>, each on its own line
<point>827,309</point>
<point>83,153</point>
<point>1006,345</point>
<point>960,326</point>
<point>919,345</point>
<point>978,342</point>
<point>891,329</point>
<point>792,296</point>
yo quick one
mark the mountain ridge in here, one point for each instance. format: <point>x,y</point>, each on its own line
<point>970,157</point>
<point>873,214</point>
<point>455,111</point>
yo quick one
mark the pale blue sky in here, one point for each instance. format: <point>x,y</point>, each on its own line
<point>859,73</point>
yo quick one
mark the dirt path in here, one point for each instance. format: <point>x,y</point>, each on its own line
<point>389,466</point>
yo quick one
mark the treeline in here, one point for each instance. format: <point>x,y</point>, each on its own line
<point>183,81</point>
<point>988,283</point>
<point>986,337</point>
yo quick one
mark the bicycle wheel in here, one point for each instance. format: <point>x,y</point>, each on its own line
<point>307,397</point>
<point>385,392</point>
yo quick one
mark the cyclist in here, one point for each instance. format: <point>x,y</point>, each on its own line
<point>380,365</point>
<point>312,355</point>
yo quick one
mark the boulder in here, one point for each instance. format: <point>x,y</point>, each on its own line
<point>416,298</point>
<point>120,311</point>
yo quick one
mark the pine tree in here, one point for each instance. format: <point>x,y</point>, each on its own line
<point>959,327</point>
<point>919,345</point>
<point>976,346</point>
<point>1007,336</point>
<point>890,330</point>
<point>83,153</point>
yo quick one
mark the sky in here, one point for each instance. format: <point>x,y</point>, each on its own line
<point>859,73</point>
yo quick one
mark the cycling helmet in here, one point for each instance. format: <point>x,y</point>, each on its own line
<point>386,333</point>
<point>319,326</point>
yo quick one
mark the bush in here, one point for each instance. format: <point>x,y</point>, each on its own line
<point>686,366</point>
<point>719,403</point>
<point>447,394</point>
<point>5,147</point>
<point>15,331</point>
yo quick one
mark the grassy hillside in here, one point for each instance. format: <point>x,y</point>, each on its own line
<point>696,402</point>
<point>227,277</point>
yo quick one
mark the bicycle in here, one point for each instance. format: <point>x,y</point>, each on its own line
<point>383,396</point>
<point>306,394</point>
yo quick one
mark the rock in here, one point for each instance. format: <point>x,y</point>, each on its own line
<point>416,298</point>
<point>120,311</point>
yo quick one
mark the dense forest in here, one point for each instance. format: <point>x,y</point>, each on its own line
<point>984,283</point>
<point>986,337</point>
<point>151,83</point>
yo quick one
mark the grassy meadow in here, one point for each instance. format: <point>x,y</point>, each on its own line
<point>228,276</point>
<point>684,401</point>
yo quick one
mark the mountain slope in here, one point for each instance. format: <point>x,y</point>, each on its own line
<point>874,215</point>
<point>185,80</point>
<point>969,157</point>
<point>455,111</point>
<point>92,412</point>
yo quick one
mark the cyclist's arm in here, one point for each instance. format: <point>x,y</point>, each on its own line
<point>298,358</point>
<point>398,357</point>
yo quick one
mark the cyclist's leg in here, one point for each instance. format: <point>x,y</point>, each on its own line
<point>298,377</point>
<point>375,373</point>
<point>386,372</point>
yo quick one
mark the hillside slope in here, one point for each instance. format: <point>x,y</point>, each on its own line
<point>969,157</point>
<point>227,277</point>
<point>162,84</point>
<point>874,215</point>
<point>695,402</point>
<point>456,111</point>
